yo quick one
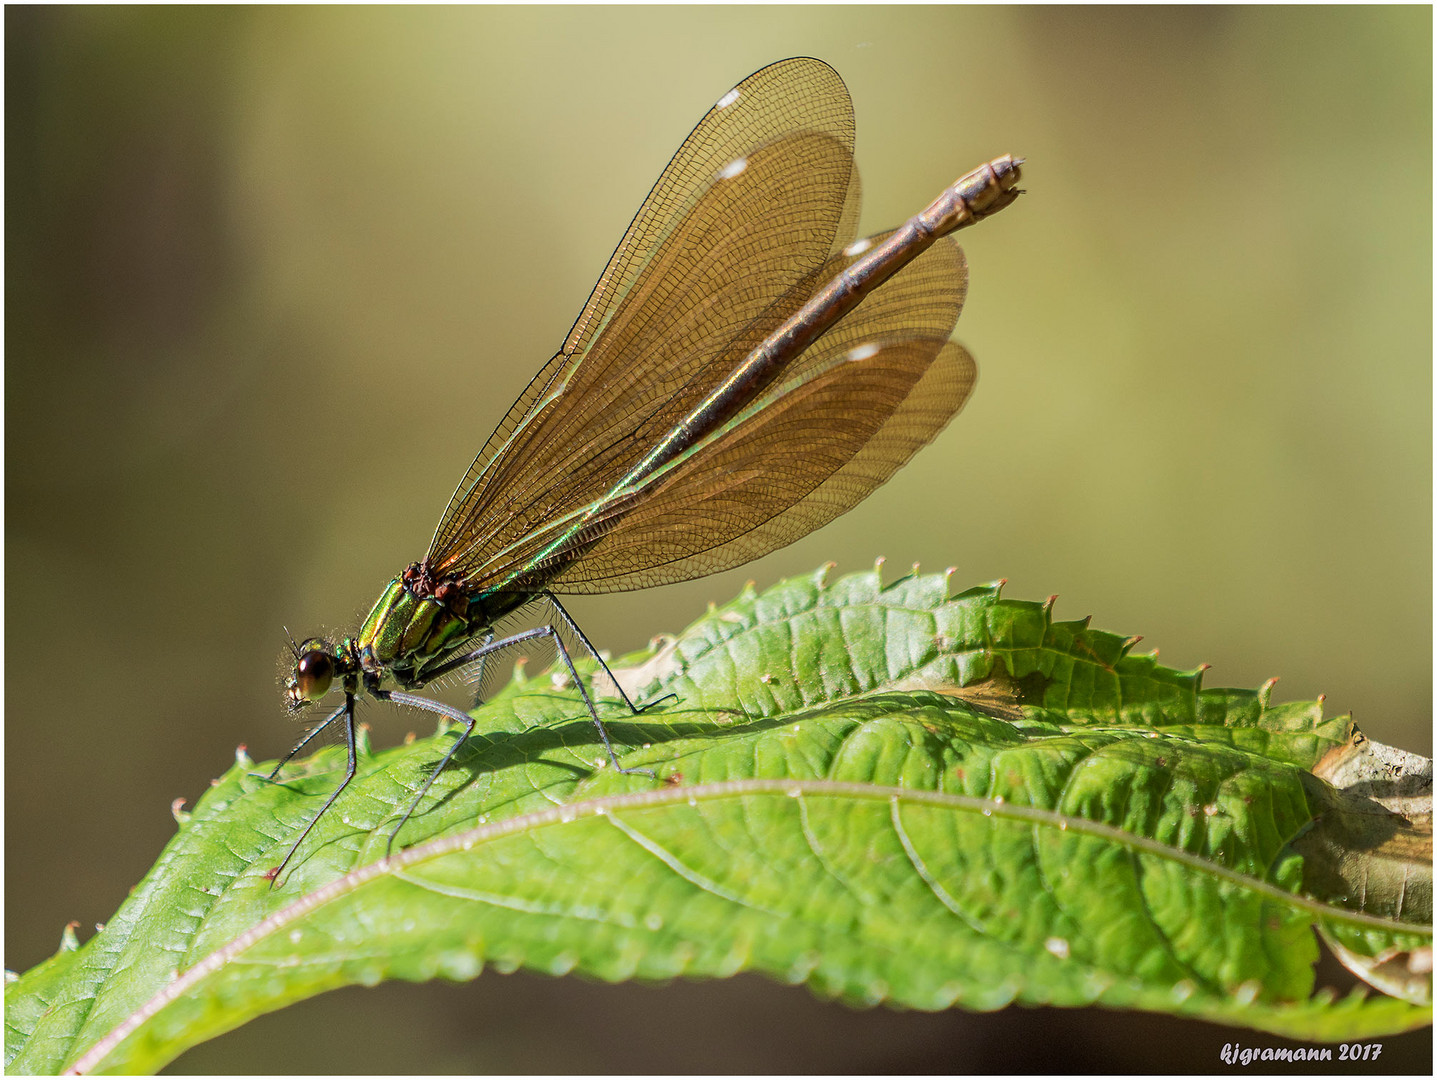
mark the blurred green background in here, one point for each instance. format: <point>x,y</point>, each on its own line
<point>273,274</point>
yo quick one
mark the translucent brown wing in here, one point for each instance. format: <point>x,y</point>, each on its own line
<point>800,94</point>
<point>940,386</point>
<point>746,257</point>
<point>794,460</point>
<point>923,300</point>
<point>703,257</point>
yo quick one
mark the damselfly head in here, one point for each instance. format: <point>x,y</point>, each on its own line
<point>313,672</point>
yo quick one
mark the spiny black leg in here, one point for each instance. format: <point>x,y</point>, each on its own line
<point>583,638</point>
<point>475,678</point>
<point>348,713</point>
<point>305,741</point>
<point>529,635</point>
<point>442,709</point>
<point>589,704</point>
<point>490,646</point>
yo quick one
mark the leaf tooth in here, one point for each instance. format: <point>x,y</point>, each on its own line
<point>1048,605</point>
<point>625,965</point>
<point>876,992</point>
<point>1197,674</point>
<point>460,965</point>
<point>563,963</point>
<point>802,967</point>
<point>68,941</point>
<point>362,746</point>
<point>1128,644</point>
<point>947,994</point>
<point>178,811</point>
<point>1264,692</point>
<point>737,958</point>
<point>684,954</point>
<point>1015,984</point>
<point>821,577</point>
<point>242,758</point>
<point>878,569</point>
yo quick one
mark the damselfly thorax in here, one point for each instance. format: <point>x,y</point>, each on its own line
<point>416,625</point>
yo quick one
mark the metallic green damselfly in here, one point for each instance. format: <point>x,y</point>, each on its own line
<point>722,394</point>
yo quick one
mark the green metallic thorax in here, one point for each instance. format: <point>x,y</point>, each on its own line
<point>404,632</point>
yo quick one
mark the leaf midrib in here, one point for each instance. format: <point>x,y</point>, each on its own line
<point>603,805</point>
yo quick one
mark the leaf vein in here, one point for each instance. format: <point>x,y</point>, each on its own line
<point>677,865</point>
<point>943,896</point>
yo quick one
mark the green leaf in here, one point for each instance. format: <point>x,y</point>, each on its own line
<point>881,791</point>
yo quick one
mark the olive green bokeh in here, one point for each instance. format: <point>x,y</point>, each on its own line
<point>272,275</point>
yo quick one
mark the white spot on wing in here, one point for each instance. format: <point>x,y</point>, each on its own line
<point>863,352</point>
<point>733,168</point>
<point>858,247</point>
<point>728,99</point>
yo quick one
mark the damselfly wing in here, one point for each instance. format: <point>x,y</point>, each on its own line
<point>743,372</point>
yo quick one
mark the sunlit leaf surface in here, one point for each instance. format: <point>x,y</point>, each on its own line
<point>883,791</point>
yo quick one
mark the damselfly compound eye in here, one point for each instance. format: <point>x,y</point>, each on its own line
<point>312,675</point>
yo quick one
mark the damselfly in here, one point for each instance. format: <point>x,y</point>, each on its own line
<point>721,395</point>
